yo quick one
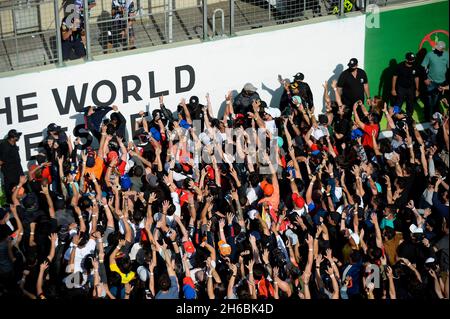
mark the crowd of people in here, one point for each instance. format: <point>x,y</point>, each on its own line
<point>261,203</point>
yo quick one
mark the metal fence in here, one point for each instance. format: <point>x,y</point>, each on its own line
<point>29,29</point>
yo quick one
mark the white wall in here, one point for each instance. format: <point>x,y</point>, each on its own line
<point>219,66</point>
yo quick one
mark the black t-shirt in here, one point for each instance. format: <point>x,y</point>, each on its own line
<point>406,75</point>
<point>11,167</point>
<point>352,87</point>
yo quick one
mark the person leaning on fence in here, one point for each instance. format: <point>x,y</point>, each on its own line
<point>122,30</point>
<point>71,38</point>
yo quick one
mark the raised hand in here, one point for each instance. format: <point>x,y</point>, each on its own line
<point>122,242</point>
<point>60,160</point>
<point>53,238</point>
<point>152,198</point>
<point>222,223</point>
<point>84,157</point>
<point>309,240</point>
<point>233,268</point>
<point>250,265</point>
<point>230,217</point>
<point>389,272</point>
<point>329,271</point>
<point>44,189</point>
<point>374,218</point>
<point>319,259</point>
<point>276,272</point>
<point>410,204</point>
<point>165,206</point>
<point>44,266</point>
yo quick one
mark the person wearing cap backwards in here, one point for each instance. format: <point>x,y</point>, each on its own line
<point>353,84</point>
<point>10,162</point>
<point>405,83</point>
<point>243,101</point>
<point>436,63</point>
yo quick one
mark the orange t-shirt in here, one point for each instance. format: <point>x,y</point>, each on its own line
<point>97,169</point>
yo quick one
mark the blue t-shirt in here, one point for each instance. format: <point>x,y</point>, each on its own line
<point>354,272</point>
<point>172,293</point>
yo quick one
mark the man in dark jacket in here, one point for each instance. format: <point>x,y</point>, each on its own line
<point>243,101</point>
<point>94,117</point>
<point>353,84</point>
<point>304,91</point>
<point>10,162</point>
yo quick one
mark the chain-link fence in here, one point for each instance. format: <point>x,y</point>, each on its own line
<point>27,34</point>
<point>29,28</point>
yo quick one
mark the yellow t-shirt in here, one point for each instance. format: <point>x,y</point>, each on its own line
<point>126,278</point>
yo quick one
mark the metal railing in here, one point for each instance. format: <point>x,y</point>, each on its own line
<point>40,32</point>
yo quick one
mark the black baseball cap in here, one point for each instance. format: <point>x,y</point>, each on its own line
<point>353,62</point>
<point>13,133</point>
<point>410,57</point>
<point>53,128</point>
<point>193,101</point>
<point>299,77</point>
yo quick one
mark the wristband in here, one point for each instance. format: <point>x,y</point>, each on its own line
<point>118,247</point>
<point>332,276</point>
<point>151,274</point>
<point>250,272</point>
<point>310,249</point>
<point>31,233</point>
<point>100,261</point>
<point>94,215</point>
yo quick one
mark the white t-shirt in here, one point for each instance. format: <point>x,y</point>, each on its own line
<point>271,126</point>
<point>80,253</point>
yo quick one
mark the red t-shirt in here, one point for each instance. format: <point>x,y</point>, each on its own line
<point>367,138</point>
<point>45,174</point>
